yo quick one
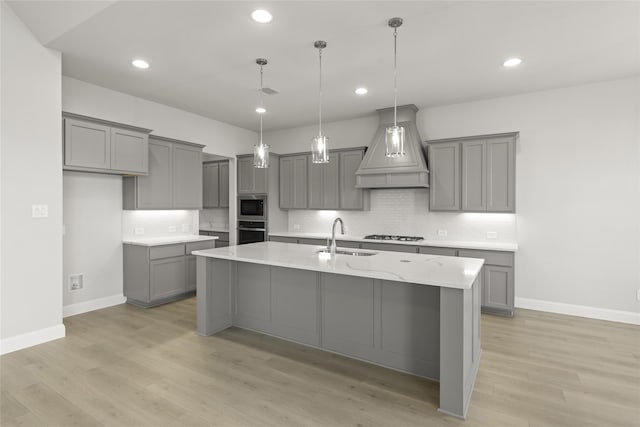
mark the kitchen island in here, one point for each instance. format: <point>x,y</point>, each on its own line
<point>415,313</point>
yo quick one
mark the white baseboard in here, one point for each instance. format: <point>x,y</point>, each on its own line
<point>94,304</point>
<point>579,310</point>
<point>30,339</point>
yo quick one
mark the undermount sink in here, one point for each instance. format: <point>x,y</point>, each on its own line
<point>343,251</point>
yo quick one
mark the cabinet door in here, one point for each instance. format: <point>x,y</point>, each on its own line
<point>129,151</point>
<point>210,185</point>
<point>286,183</point>
<point>260,180</point>
<point>87,144</point>
<point>497,287</point>
<point>293,182</point>
<point>154,190</point>
<point>253,297</point>
<point>501,174</point>
<point>324,183</point>
<point>315,186</point>
<point>223,182</point>
<point>245,175</point>
<point>444,169</point>
<point>187,177</point>
<point>167,277</point>
<point>350,196</point>
<point>191,261</point>
<point>474,175</point>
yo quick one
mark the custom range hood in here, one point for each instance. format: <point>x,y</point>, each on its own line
<point>409,171</point>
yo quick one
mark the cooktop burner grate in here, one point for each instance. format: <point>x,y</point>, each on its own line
<point>391,237</point>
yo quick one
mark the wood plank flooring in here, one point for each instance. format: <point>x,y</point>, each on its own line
<point>126,366</point>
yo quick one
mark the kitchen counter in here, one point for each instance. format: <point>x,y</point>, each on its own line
<point>449,272</point>
<point>410,312</point>
<point>491,246</point>
<point>159,241</point>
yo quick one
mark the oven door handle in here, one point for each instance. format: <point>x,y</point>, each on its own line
<point>252,229</point>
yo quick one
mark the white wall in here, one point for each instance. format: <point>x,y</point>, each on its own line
<point>31,173</point>
<point>578,190</point>
<point>92,240</point>
<point>578,187</point>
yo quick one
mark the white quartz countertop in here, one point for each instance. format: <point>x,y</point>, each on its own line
<point>159,241</point>
<point>443,271</point>
<point>491,246</point>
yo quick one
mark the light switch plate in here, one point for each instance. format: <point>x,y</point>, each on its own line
<point>39,211</point>
<point>492,235</point>
<point>138,231</point>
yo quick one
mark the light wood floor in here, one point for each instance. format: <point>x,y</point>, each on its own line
<point>129,366</point>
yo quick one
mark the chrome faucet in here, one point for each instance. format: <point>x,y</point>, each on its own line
<point>333,234</point>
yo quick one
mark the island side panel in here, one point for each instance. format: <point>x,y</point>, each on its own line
<point>459,347</point>
<point>214,286</point>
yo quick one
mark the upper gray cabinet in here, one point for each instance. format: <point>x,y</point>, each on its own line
<point>293,182</point>
<point>93,145</point>
<point>473,174</point>
<point>215,184</point>
<point>252,180</point>
<point>352,197</point>
<point>174,180</point>
<point>324,183</point>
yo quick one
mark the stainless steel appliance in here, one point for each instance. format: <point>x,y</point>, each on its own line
<point>252,208</point>
<point>252,232</point>
<point>391,237</point>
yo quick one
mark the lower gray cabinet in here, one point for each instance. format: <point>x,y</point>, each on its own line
<point>154,275</point>
<point>497,289</point>
<point>253,297</point>
<point>433,250</point>
<point>390,247</point>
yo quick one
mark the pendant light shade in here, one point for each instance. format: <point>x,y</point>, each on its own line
<point>320,143</point>
<point>394,136</point>
<point>261,150</point>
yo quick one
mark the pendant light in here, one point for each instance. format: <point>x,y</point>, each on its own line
<point>261,150</point>
<point>320,143</point>
<point>394,135</point>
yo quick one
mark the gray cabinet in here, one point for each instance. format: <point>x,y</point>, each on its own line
<point>293,182</point>
<point>174,180</point>
<point>444,170</point>
<point>350,196</point>
<point>473,174</point>
<point>251,180</point>
<point>215,184</point>
<point>99,146</point>
<point>252,308</point>
<point>324,183</point>
<point>159,274</point>
<point>223,237</point>
<point>497,280</point>
<point>433,250</point>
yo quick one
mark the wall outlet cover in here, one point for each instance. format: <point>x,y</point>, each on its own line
<point>138,231</point>
<point>76,282</point>
<point>442,233</point>
<point>39,211</point>
<point>638,294</point>
<point>296,227</point>
<point>492,235</point>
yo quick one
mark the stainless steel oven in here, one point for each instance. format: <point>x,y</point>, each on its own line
<point>252,208</point>
<point>252,232</point>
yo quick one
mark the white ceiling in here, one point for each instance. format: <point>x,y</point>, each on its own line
<point>202,53</point>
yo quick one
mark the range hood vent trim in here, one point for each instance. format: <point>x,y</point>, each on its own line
<point>410,171</point>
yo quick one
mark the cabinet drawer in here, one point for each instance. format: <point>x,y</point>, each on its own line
<point>432,250</point>
<point>320,242</point>
<point>166,251</point>
<point>283,239</point>
<point>347,244</point>
<point>223,235</point>
<point>490,257</point>
<point>389,247</point>
<point>196,246</point>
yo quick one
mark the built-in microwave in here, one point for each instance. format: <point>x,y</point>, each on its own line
<point>252,208</point>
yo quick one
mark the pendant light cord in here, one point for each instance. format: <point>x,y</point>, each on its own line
<point>320,86</point>
<point>261,104</point>
<point>395,76</point>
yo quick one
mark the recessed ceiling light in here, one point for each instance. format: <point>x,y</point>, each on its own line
<point>512,62</point>
<point>261,16</point>
<point>361,90</point>
<point>261,110</point>
<point>140,63</point>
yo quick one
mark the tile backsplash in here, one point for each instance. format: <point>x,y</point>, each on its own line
<point>406,212</point>
<point>216,218</point>
<point>159,223</point>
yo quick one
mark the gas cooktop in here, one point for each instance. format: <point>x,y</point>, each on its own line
<point>390,237</point>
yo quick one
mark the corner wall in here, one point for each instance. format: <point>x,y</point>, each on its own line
<point>30,173</point>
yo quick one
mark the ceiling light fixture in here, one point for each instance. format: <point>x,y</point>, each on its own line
<point>261,16</point>
<point>394,135</point>
<point>261,150</point>
<point>319,144</point>
<point>140,63</point>
<point>361,91</point>
<point>512,62</point>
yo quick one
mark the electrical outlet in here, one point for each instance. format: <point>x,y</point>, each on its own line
<point>76,282</point>
<point>172,229</point>
<point>296,227</point>
<point>138,231</point>
<point>492,235</point>
<point>442,233</point>
<point>185,228</point>
<point>638,294</point>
